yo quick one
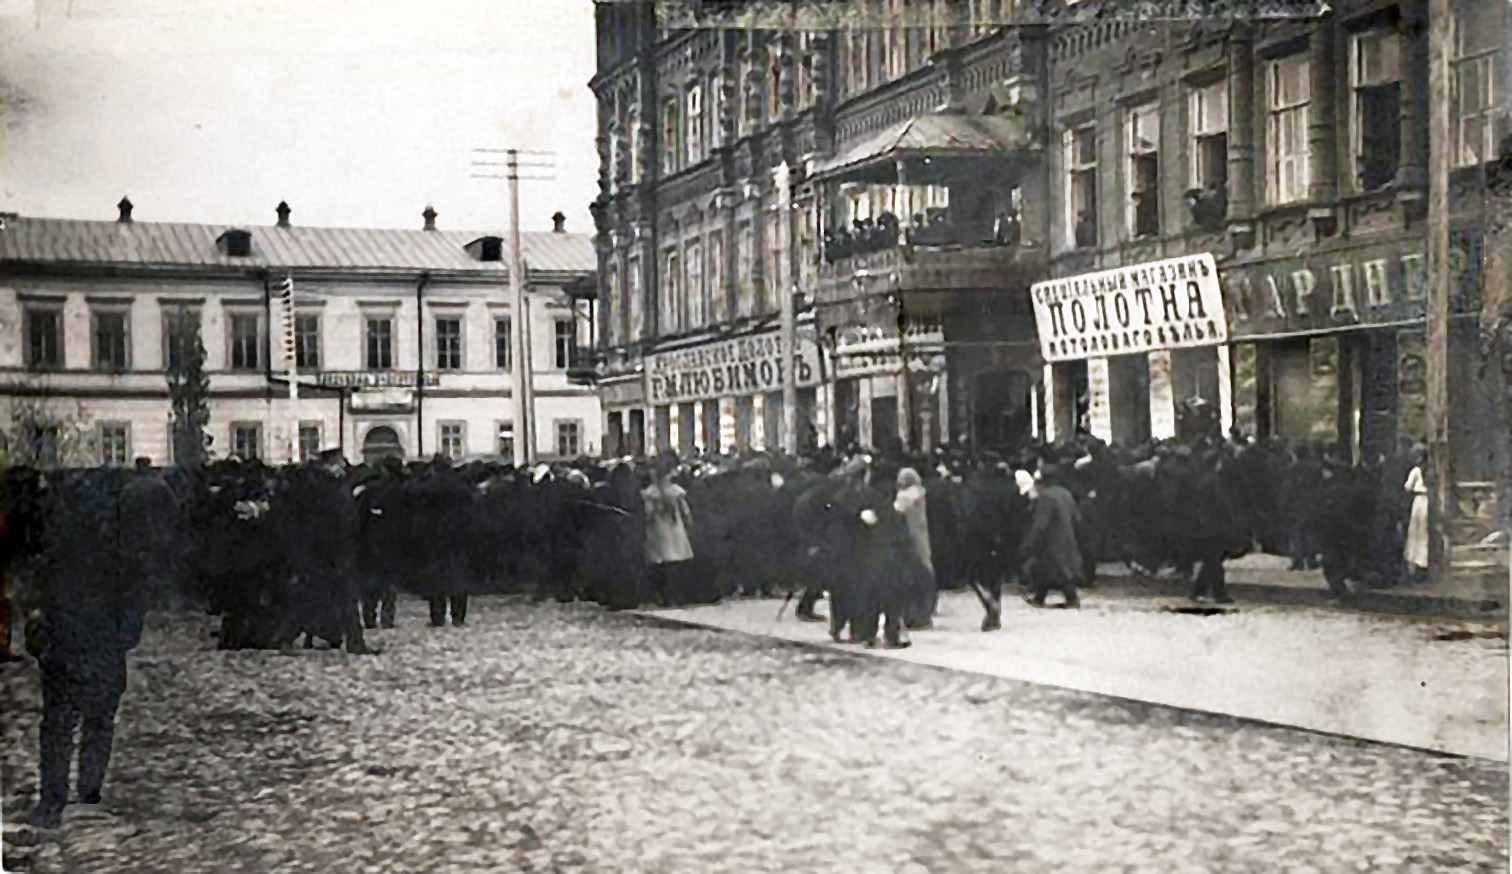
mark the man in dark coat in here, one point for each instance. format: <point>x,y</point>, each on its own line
<point>1050,556</point>
<point>98,540</point>
<point>315,518</point>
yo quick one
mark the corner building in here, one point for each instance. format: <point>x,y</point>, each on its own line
<point>885,169</point>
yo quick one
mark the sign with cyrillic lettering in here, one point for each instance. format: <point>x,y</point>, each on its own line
<point>747,366</point>
<point>1171,304</point>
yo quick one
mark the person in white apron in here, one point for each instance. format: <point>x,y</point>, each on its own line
<point>1416,550</point>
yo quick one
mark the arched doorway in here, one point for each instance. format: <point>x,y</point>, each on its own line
<point>381,442</point>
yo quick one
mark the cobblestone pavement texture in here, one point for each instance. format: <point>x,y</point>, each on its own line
<point>1434,683</point>
<point>547,738</point>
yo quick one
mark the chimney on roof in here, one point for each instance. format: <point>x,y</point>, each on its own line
<point>125,208</point>
<point>559,223</point>
<point>283,213</point>
<point>430,218</point>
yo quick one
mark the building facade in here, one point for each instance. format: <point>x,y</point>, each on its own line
<point>740,164</point>
<point>399,339</point>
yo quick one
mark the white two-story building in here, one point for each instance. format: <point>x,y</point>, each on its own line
<point>401,338</point>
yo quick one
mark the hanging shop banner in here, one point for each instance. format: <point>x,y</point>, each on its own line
<point>1171,304</point>
<point>1376,284</point>
<point>749,365</point>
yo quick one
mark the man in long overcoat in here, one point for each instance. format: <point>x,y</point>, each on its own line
<point>1051,557</point>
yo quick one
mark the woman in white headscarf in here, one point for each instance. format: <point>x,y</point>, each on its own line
<point>669,549</point>
<point>910,504</point>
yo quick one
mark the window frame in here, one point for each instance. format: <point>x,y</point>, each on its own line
<point>671,274</point>
<point>1201,130</point>
<point>303,360</point>
<point>505,321</point>
<point>562,358</point>
<point>1484,60</point>
<point>456,354</point>
<point>243,425</point>
<point>693,285</point>
<point>1135,154</point>
<point>125,429</point>
<point>54,314</point>
<point>671,135</point>
<point>233,317</point>
<point>461,438</point>
<point>368,318</point>
<point>693,122</point>
<point>577,436</point>
<point>714,251</point>
<point>1081,174</point>
<point>96,346</point>
<point>306,426</point>
<point>500,429</point>
<point>1279,112</point>
<point>1359,84</point>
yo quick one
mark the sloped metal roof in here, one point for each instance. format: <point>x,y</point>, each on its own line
<point>168,244</point>
<point>942,134</point>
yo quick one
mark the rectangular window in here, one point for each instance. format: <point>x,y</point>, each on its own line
<point>244,342</point>
<point>448,343</point>
<point>1375,76</point>
<point>503,351</point>
<point>670,143</point>
<point>1210,138</point>
<point>635,326</point>
<point>309,441</point>
<point>1290,156</point>
<point>1479,31</point>
<point>115,444</point>
<point>44,338</point>
<point>111,340</point>
<point>246,440</point>
<point>1081,186</point>
<point>566,339</point>
<point>452,443</point>
<point>307,342</point>
<point>181,331</point>
<point>1142,170</point>
<point>695,125</point>
<point>671,296</point>
<point>569,438</point>
<point>506,440</point>
<point>716,276</point>
<point>380,343</point>
<point>743,268</point>
<point>633,144</point>
<point>774,279</point>
<point>694,313</point>
<point>714,124</point>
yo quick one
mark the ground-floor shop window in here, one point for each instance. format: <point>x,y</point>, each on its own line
<point>569,438</point>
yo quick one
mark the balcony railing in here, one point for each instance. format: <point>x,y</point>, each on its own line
<point>939,229</point>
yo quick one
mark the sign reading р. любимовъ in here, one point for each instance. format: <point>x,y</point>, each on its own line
<point>1170,304</point>
<point>748,365</point>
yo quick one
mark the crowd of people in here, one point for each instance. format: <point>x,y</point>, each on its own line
<point>321,550</point>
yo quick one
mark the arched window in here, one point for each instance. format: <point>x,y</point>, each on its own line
<point>633,142</point>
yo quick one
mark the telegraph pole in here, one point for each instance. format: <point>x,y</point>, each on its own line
<point>1436,322</point>
<point>522,372</point>
<point>787,280</point>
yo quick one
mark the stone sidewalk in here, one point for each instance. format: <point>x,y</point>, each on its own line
<point>1430,683</point>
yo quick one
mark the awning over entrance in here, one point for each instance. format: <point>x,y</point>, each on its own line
<point>941,137</point>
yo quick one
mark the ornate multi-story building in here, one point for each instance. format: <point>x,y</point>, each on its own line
<point>400,340</point>
<point>889,178</point>
<point>911,170</point>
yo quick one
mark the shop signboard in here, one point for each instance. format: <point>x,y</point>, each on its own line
<point>1170,304</point>
<point>376,379</point>
<point>729,368</point>
<point>1376,284</point>
<point>870,350</point>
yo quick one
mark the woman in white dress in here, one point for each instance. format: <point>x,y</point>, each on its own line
<point>1416,549</point>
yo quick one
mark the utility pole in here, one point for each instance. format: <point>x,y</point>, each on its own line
<point>291,362</point>
<point>788,285</point>
<point>1436,321</point>
<point>521,373</point>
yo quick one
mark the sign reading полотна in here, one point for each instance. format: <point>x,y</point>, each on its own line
<point>1167,304</point>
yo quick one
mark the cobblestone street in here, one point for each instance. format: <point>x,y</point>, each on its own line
<point>562,738</point>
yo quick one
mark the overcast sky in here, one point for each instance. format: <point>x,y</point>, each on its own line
<point>357,112</point>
